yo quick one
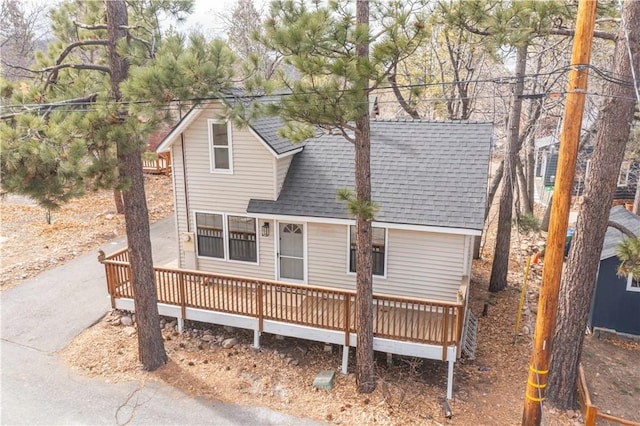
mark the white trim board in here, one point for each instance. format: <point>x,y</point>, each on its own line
<point>388,225</point>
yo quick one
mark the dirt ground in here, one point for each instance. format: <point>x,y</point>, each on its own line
<point>487,391</point>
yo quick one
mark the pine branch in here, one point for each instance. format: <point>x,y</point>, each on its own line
<point>401,99</point>
<point>621,228</point>
<point>567,32</point>
<point>49,107</point>
<point>90,27</point>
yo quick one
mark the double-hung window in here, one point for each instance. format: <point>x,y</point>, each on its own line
<point>210,235</point>
<point>242,238</point>
<point>227,237</point>
<point>220,148</point>
<point>378,254</point>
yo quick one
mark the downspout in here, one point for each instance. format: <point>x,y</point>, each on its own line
<point>184,180</point>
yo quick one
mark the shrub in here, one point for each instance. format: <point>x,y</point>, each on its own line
<point>528,222</point>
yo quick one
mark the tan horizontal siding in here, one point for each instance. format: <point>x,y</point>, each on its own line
<point>253,174</point>
<point>179,200</point>
<point>253,177</point>
<point>282,167</point>
<point>419,264</point>
<point>426,264</point>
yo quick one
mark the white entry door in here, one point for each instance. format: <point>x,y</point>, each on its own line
<point>291,252</point>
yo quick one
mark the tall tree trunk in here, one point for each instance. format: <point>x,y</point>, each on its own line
<point>530,172</point>
<point>118,201</point>
<point>636,199</point>
<point>614,123</point>
<point>523,186</point>
<point>151,350</point>
<point>365,377</point>
<point>493,188</point>
<point>498,280</point>
<point>547,216</point>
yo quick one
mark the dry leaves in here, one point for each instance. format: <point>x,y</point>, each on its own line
<point>30,245</point>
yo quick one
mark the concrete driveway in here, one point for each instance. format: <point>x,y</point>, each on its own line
<point>41,316</point>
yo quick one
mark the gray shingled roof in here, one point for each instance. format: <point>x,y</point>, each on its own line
<point>613,236</point>
<point>423,173</point>
<point>267,128</point>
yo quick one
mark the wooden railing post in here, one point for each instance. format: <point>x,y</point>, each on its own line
<point>347,320</point>
<point>183,301</point>
<point>111,285</point>
<point>445,332</point>
<point>259,305</point>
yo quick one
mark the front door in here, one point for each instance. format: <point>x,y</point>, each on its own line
<point>291,252</point>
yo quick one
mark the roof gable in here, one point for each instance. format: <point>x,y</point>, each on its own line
<point>423,173</point>
<point>265,129</point>
<point>613,236</point>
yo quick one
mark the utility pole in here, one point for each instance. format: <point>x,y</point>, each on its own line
<point>554,256</point>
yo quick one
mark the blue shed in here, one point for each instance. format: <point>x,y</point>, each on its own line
<point>616,302</point>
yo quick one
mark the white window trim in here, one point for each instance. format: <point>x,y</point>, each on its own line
<point>212,163</point>
<point>225,235</point>
<point>305,260</point>
<point>386,252</point>
<point>629,286</point>
<point>623,175</point>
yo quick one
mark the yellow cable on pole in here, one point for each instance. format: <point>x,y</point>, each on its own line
<point>530,260</point>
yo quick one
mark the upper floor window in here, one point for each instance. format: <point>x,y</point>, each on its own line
<point>220,149</point>
<point>378,255</point>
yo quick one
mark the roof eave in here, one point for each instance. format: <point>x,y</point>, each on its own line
<point>183,124</point>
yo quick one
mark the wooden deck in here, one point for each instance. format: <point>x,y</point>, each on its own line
<point>158,166</point>
<point>400,319</point>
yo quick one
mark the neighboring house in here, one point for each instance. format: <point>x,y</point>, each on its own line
<point>251,204</point>
<point>546,165</point>
<point>616,301</point>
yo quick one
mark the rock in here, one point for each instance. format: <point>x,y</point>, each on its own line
<point>571,414</point>
<point>229,343</point>
<point>208,338</point>
<point>294,362</point>
<point>126,321</point>
<point>282,356</point>
<point>525,330</point>
<point>116,321</point>
<point>109,216</point>
<point>129,331</point>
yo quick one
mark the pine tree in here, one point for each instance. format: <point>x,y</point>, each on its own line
<point>101,93</point>
<point>329,49</point>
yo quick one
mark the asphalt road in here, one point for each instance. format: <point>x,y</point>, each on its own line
<point>41,316</point>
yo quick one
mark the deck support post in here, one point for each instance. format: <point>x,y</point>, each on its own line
<point>450,378</point>
<point>256,339</point>
<point>180,324</point>
<point>345,359</point>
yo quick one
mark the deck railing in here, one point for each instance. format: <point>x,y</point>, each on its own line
<point>397,318</point>
<point>159,164</point>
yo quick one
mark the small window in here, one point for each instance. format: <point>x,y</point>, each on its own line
<point>378,255</point>
<point>210,235</point>
<point>633,284</point>
<point>242,238</point>
<point>623,176</point>
<point>220,146</point>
